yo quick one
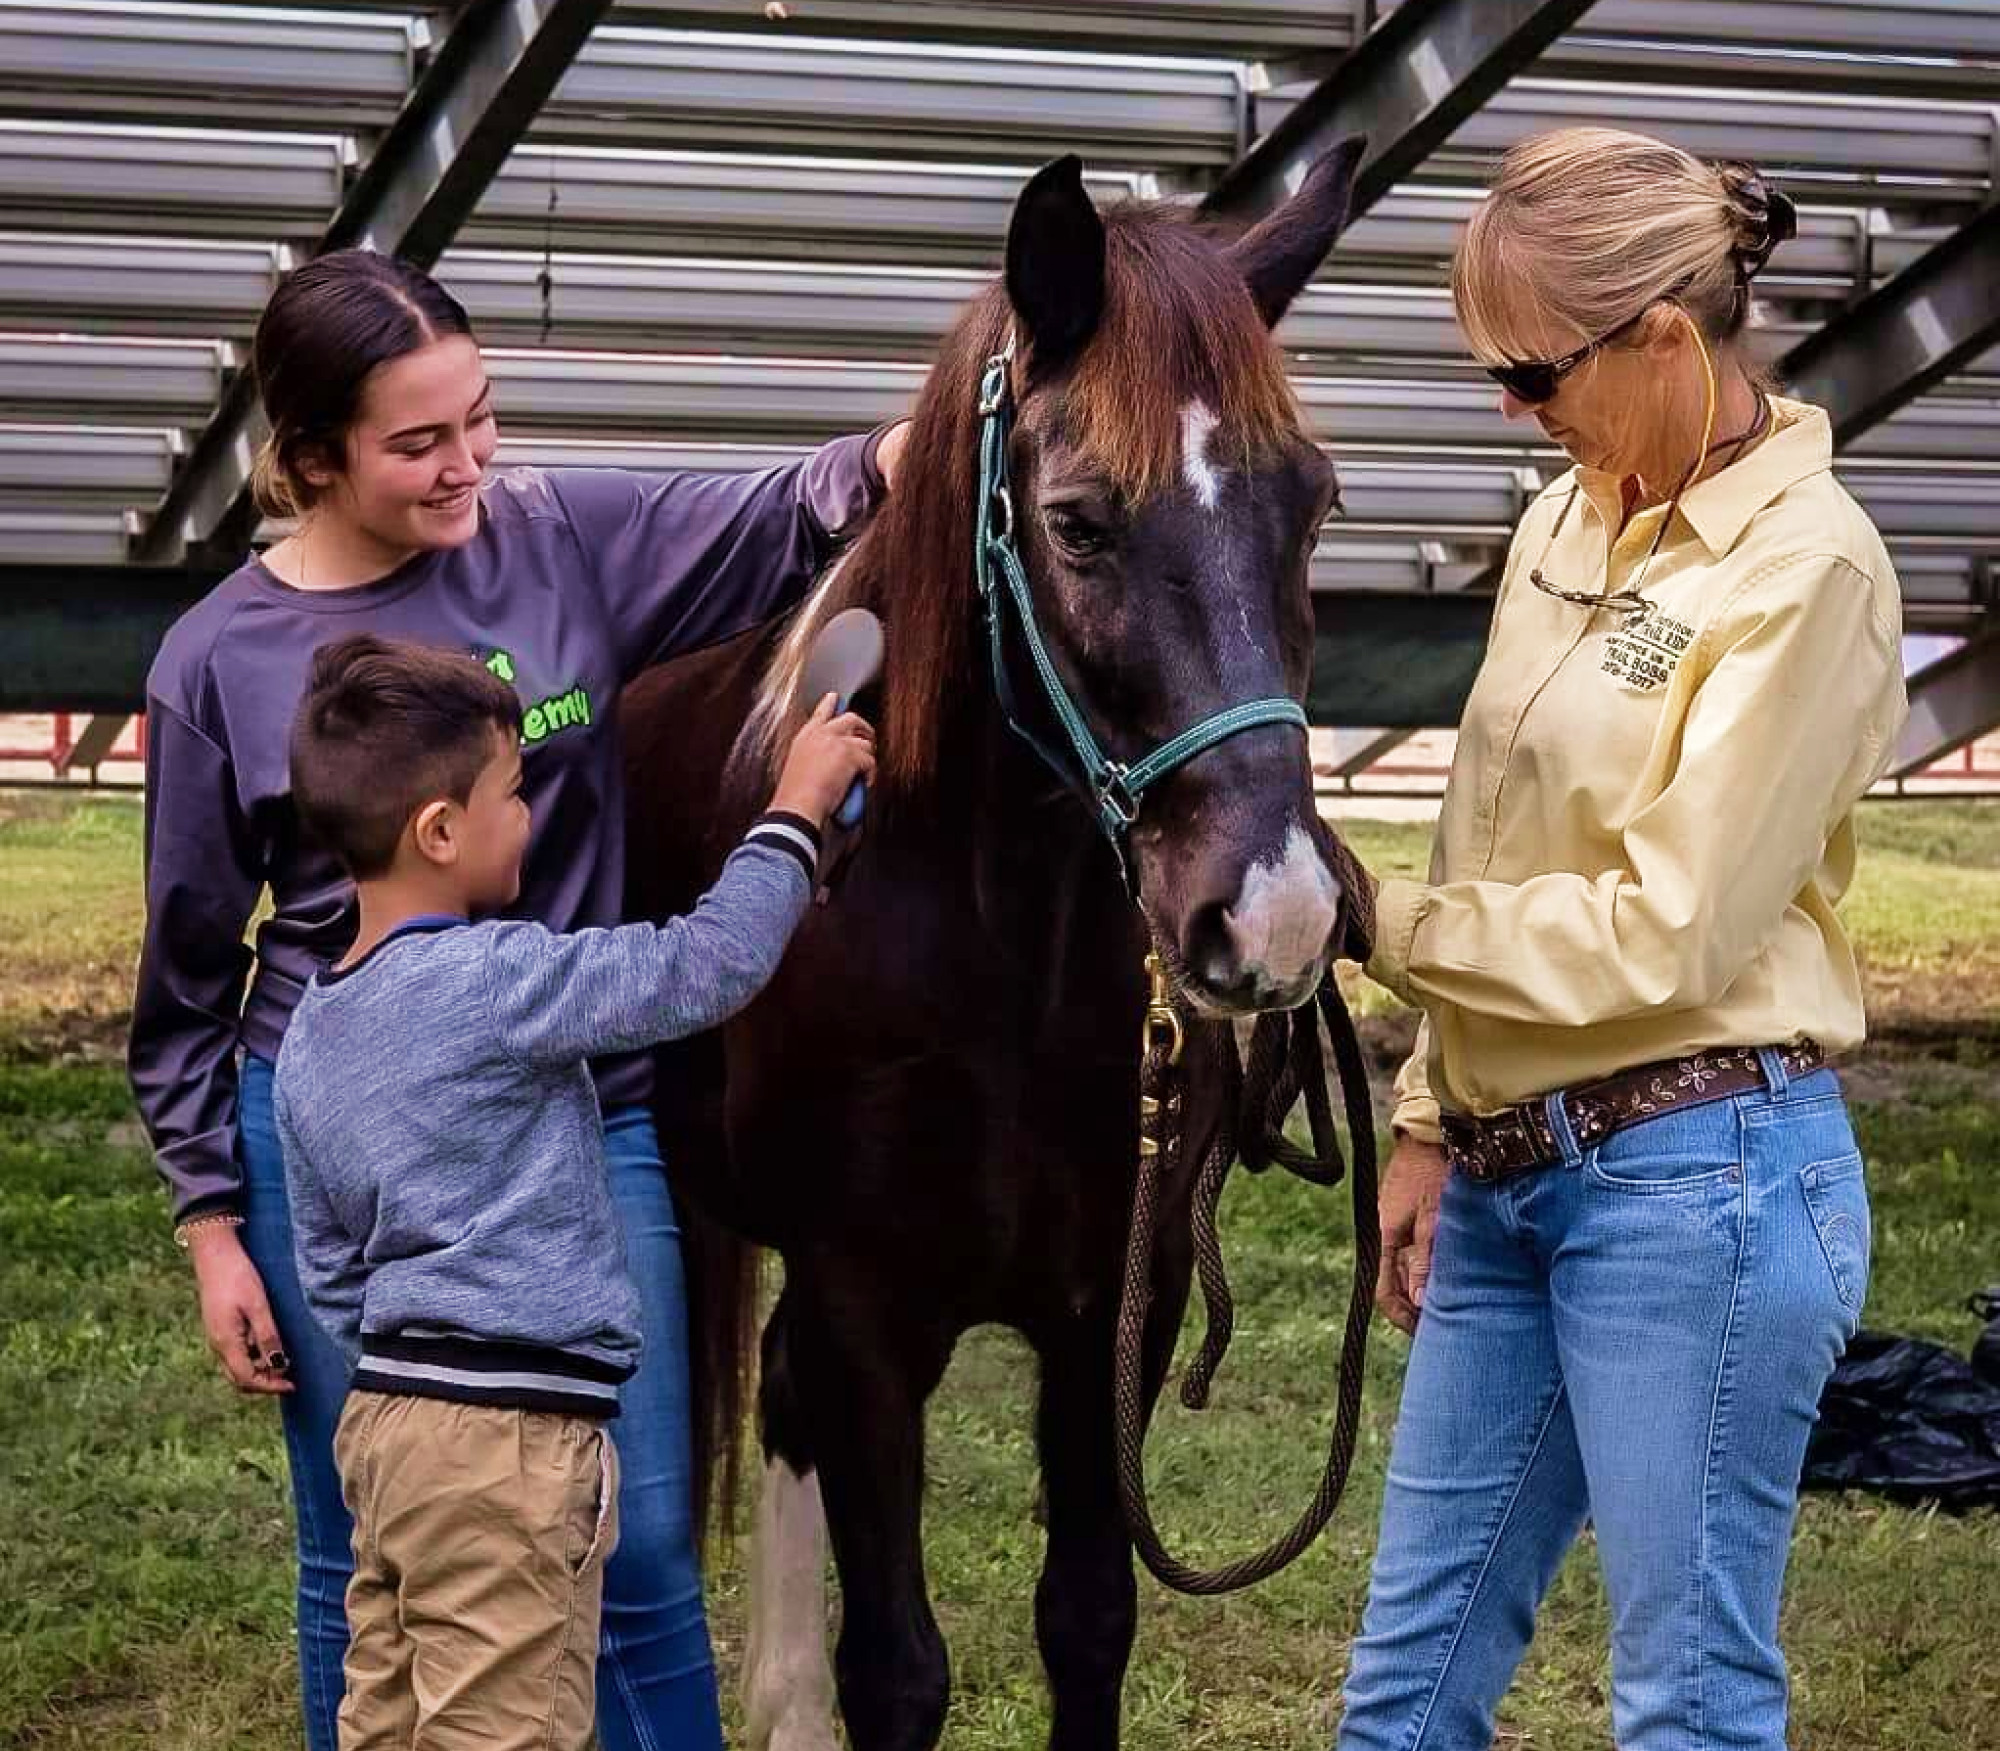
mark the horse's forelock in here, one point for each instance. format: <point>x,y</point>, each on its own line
<point>1179,327</point>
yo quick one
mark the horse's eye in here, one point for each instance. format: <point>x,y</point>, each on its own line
<point>1075,533</point>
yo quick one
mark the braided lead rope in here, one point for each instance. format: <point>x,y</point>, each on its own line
<point>1284,1062</point>
<point>1219,1304</point>
<point>1159,1148</point>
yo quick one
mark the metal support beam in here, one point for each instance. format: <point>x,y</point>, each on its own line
<point>81,638</point>
<point>1395,659</point>
<point>1408,83</point>
<point>1354,751</point>
<point>1953,702</point>
<point>468,109</point>
<point>99,736</point>
<point>1908,335</point>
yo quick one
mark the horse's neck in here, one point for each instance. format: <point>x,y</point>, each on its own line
<point>994,818</point>
<point>1041,869</point>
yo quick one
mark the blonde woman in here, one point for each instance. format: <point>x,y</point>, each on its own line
<point>1625,1217</point>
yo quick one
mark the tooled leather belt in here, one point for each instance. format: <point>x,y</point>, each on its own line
<point>1518,1139</point>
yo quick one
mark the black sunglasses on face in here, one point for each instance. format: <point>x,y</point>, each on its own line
<point>1537,380</point>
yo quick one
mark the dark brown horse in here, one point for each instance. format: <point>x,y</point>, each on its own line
<point>931,1112</point>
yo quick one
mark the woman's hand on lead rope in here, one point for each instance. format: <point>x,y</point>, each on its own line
<point>236,1313</point>
<point>1412,1188</point>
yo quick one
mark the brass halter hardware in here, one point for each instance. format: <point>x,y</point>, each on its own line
<point>1163,1022</point>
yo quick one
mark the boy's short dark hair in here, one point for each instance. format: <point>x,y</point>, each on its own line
<point>384,728</point>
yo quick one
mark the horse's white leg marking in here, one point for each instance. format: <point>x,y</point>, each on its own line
<point>788,1702</point>
<point>1285,913</point>
<point>1197,423</point>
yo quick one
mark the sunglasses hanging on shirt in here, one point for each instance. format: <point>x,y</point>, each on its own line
<point>1631,603</point>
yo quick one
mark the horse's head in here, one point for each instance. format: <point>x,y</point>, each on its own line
<point>1167,500</point>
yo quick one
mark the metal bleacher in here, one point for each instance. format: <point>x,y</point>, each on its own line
<point>754,220</point>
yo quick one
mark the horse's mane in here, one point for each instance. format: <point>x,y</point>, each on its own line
<point>1179,325</point>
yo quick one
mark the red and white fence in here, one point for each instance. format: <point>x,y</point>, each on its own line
<point>73,748</point>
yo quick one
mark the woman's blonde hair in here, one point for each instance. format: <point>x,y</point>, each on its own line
<point>1585,228</point>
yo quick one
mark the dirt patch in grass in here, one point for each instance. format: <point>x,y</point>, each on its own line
<point>1956,999</point>
<point>1892,1072</point>
<point>54,1023</point>
<point>1959,1058</point>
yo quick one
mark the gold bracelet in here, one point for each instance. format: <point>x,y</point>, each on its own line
<point>221,1219</point>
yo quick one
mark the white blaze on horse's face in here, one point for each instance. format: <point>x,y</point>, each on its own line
<point>1283,920</point>
<point>1198,423</point>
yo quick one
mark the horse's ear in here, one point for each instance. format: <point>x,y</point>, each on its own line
<point>1055,262</point>
<point>1278,256</point>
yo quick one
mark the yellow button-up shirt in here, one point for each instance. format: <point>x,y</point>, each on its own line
<point>1649,820</point>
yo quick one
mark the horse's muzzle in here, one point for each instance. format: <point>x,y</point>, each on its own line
<point>1269,946</point>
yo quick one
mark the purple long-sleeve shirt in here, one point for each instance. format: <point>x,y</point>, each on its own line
<point>576,581</point>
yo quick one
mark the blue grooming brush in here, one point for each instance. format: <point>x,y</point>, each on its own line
<point>845,659</point>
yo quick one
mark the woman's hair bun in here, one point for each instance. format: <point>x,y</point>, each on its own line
<point>1761,217</point>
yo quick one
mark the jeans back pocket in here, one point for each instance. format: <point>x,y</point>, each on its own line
<point>1836,1194</point>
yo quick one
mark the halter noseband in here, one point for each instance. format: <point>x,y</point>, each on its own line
<point>1115,790</point>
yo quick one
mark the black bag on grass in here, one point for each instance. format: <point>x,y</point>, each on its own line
<point>1912,1421</point>
<point>1986,1348</point>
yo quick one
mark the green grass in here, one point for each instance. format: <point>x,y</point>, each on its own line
<point>1925,910</point>
<point>71,911</point>
<point>143,1528</point>
<point>144,1536</point>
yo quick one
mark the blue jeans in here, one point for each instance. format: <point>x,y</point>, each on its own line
<point>1635,1335</point>
<point>656,1671</point>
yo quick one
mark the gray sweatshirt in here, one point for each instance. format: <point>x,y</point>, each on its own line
<point>444,1155</point>
<point>577,580</point>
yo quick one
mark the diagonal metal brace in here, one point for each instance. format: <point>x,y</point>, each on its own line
<point>1952,703</point>
<point>1407,85</point>
<point>468,110</point>
<point>1906,336</point>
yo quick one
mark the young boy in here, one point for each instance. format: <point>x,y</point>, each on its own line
<point>450,1209</point>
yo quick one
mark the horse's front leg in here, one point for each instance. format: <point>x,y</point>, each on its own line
<point>787,1679</point>
<point>861,1372</point>
<point>1086,1605</point>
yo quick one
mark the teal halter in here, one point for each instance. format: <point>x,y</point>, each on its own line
<point>1116,790</point>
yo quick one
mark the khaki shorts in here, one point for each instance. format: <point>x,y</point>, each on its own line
<point>480,1538</point>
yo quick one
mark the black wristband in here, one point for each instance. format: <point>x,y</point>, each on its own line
<point>781,830</point>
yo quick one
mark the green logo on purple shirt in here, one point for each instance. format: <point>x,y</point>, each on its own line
<point>564,711</point>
